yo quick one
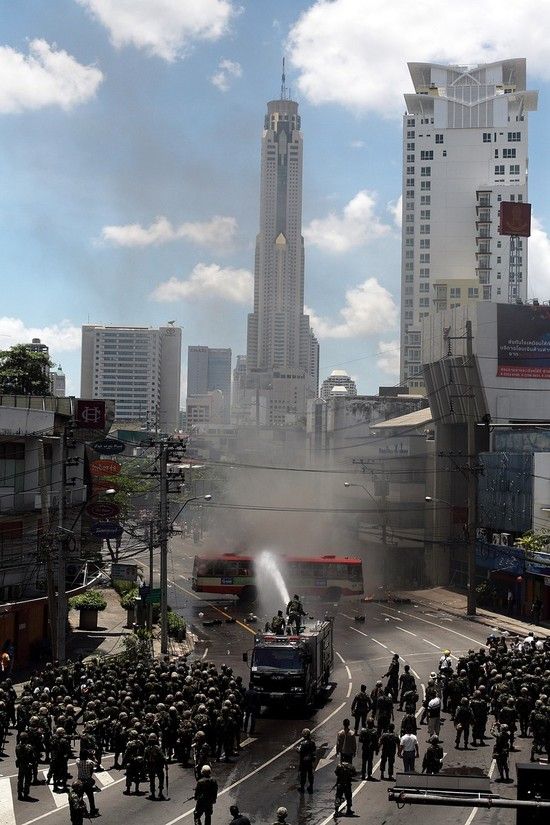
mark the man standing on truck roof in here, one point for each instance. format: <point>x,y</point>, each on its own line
<point>278,624</point>
<point>295,611</point>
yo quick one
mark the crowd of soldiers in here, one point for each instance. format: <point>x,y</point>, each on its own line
<point>146,715</point>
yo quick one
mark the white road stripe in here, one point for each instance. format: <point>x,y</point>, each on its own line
<point>60,799</point>
<point>474,811</point>
<point>6,802</point>
<point>248,741</point>
<point>348,671</point>
<point>440,626</point>
<point>379,643</point>
<point>340,657</point>
<point>348,694</point>
<point>431,643</point>
<point>204,655</point>
<point>402,629</point>
<point>395,618</point>
<point>104,778</point>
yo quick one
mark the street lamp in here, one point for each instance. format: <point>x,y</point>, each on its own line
<point>165,528</point>
<point>471,548</point>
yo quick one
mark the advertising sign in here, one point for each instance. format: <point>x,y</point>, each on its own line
<point>110,446</point>
<point>90,414</point>
<point>102,510</point>
<point>106,530</point>
<point>124,572</point>
<point>99,485</point>
<point>104,467</point>
<point>523,340</point>
<point>515,219</point>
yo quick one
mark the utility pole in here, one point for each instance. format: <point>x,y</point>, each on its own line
<point>472,478</point>
<point>61,556</point>
<point>163,537</point>
<point>45,513</point>
<point>151,548</point>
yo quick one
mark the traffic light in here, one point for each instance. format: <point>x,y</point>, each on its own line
<point>533,785</point>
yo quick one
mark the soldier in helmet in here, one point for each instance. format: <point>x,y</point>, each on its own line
<point>155,762</point>
<point>464,719</point>
<point>278,624</point>
<point>60,754</point>
<point>501,752</point>
<point>282,814</point>
<point>206,794</point>
<point>77,806</point>
<point>295,611</point>
<point>133,761</point>
<point>26,763</point>
<point>433,758</point>
<point>186,732</point>
<point>201,752</point>
<point>307,750</point>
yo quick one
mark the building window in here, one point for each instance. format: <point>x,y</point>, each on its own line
<point>439,138</point>
<point>410,159</point>
<point>424,257</point>
<point>410,147</point>
<point>514,137</point>
<point>473,292</point>
<point>424,228</point>
<point>410,133</point>
<point>496,153</point>
<point>424,243</point>
<point>424,272</point>
<point>498,259</point>
<point>425,185</point>
<point>424,302</point>
<point>425,214</point>
<point>487,136</point>
<point>425,171</point>
<point>514,168</point>
<point>410,170</point>
<point>520,198</point>
<point>424,287</point>
<point>455,292</point>
<point>425,200</point>
<point>410,193</point>
<point>427,154</point>
<point>499,170</point>
<point>509,153</point>
<point>409,182</point>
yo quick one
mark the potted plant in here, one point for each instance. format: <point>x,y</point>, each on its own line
<point>128,603</point>
<point>89,604</point>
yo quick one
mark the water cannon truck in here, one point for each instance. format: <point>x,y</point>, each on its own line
<point>292,669</point>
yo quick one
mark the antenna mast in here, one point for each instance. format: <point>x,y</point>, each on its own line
<point>283,82</point>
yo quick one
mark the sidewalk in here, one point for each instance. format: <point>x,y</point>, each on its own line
<point>450,601</point>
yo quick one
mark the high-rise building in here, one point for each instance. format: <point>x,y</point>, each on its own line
<point>465,142</point>
<point>138,367</point>
<point>280,343</point>
<point>338,383</point>
<point>57,382</point>
<point>209,369</point>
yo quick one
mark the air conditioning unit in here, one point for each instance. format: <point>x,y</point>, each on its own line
<point>481,534</point>
<point>496,538</point>
<point>506,539</point>
<point>52,500</point>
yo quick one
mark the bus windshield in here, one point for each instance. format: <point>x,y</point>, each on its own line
<point>281,658</point>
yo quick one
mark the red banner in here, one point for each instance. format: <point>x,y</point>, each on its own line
<point>515,219</point>
<point>104,467</point>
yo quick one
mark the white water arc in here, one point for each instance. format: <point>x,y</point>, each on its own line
<point>268,576</point>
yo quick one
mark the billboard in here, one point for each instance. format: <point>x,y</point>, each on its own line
<point>90,414</point>
<point>523,341</point>
<point>515,219</point>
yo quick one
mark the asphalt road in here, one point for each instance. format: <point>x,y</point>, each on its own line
<point>265,774</point>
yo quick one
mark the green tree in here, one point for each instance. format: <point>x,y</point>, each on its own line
<point>23,372</point>
<point>534,542</point>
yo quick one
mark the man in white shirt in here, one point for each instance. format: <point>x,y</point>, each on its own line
<point>408,751</point>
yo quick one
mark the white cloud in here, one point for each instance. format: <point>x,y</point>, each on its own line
<point>539,261</point>
<point>349,53</point>
<point>356,226</point>
<point>228,70</point>
<point>388,360</point>
<point>62,337</point>
<point>47,76</point>
<point>369,310</point>
<point>395,209</point>
<point>209,281</point>
<point>218,233</point>
<point>164,28</point>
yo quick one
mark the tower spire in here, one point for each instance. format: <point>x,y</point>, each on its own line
<point>283,82</point>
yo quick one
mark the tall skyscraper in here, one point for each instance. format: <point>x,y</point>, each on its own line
<point>465,144</point>
<point>281,346</point>
<point>209,369</point>
<point>338,383</point>
<point>138,367</point>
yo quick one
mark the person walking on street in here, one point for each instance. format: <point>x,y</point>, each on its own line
<point>307,750</point>
<point>25,759</point>
<point>434,716</point>
<point>407,682</point>
<point>408,751</point>
<point>464,719</point>
<point>77,806</point>
<point>388,744</point>
<point>238,817</point>
<point>360,707</point>
<point>344,776</point>
<point>392,685</point>
<point>85,773</point>
<point>368,739</point>
<point>155,765</point>
<point>433,758</point>
<point>206,794</point>
<point>501,752</point>
<point>252,709</point>
<point>346,745</point>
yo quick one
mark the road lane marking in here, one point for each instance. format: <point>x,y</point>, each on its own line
<point>431,643</point>
<point>440,626</point>
<point>55,810</point>
<point>104,778</point>
<point>204,655</point>
<point>474,811</point>
<point>259,768</point>
<point>402,629</point>
<point>379,643</point>
<point>392,617</point>
<point>348,671</point>
<point>6,802</point>
<point>60,799</point>
<point>248,741</point>
<point>217,609</point>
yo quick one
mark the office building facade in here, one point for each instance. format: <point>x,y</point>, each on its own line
<point>465,150</point>
<point>138,367</point>
<point>208,370</point>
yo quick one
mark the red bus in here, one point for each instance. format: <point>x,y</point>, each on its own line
<point>329,577</point>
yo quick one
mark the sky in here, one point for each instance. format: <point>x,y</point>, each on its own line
<point>129,159</point>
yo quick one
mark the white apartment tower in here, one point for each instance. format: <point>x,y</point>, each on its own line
<point>137,367</point>
<point>465,144</point>
<point>279,336</point>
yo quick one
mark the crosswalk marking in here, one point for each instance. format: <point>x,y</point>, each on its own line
<point>59,798</point>
<point>104,778</point>
<point>6,802</point>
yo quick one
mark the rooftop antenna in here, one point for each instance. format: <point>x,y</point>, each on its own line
<point>283,82</point>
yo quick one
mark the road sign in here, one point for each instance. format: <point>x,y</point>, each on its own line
<point>102,510</point>
<point>106,529</point>
<point>105,467</point>
<point>124,572</point>
<point>109,446</point>
<point>153,597</point>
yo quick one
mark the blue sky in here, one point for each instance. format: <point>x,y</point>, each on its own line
<point>130,137</point>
